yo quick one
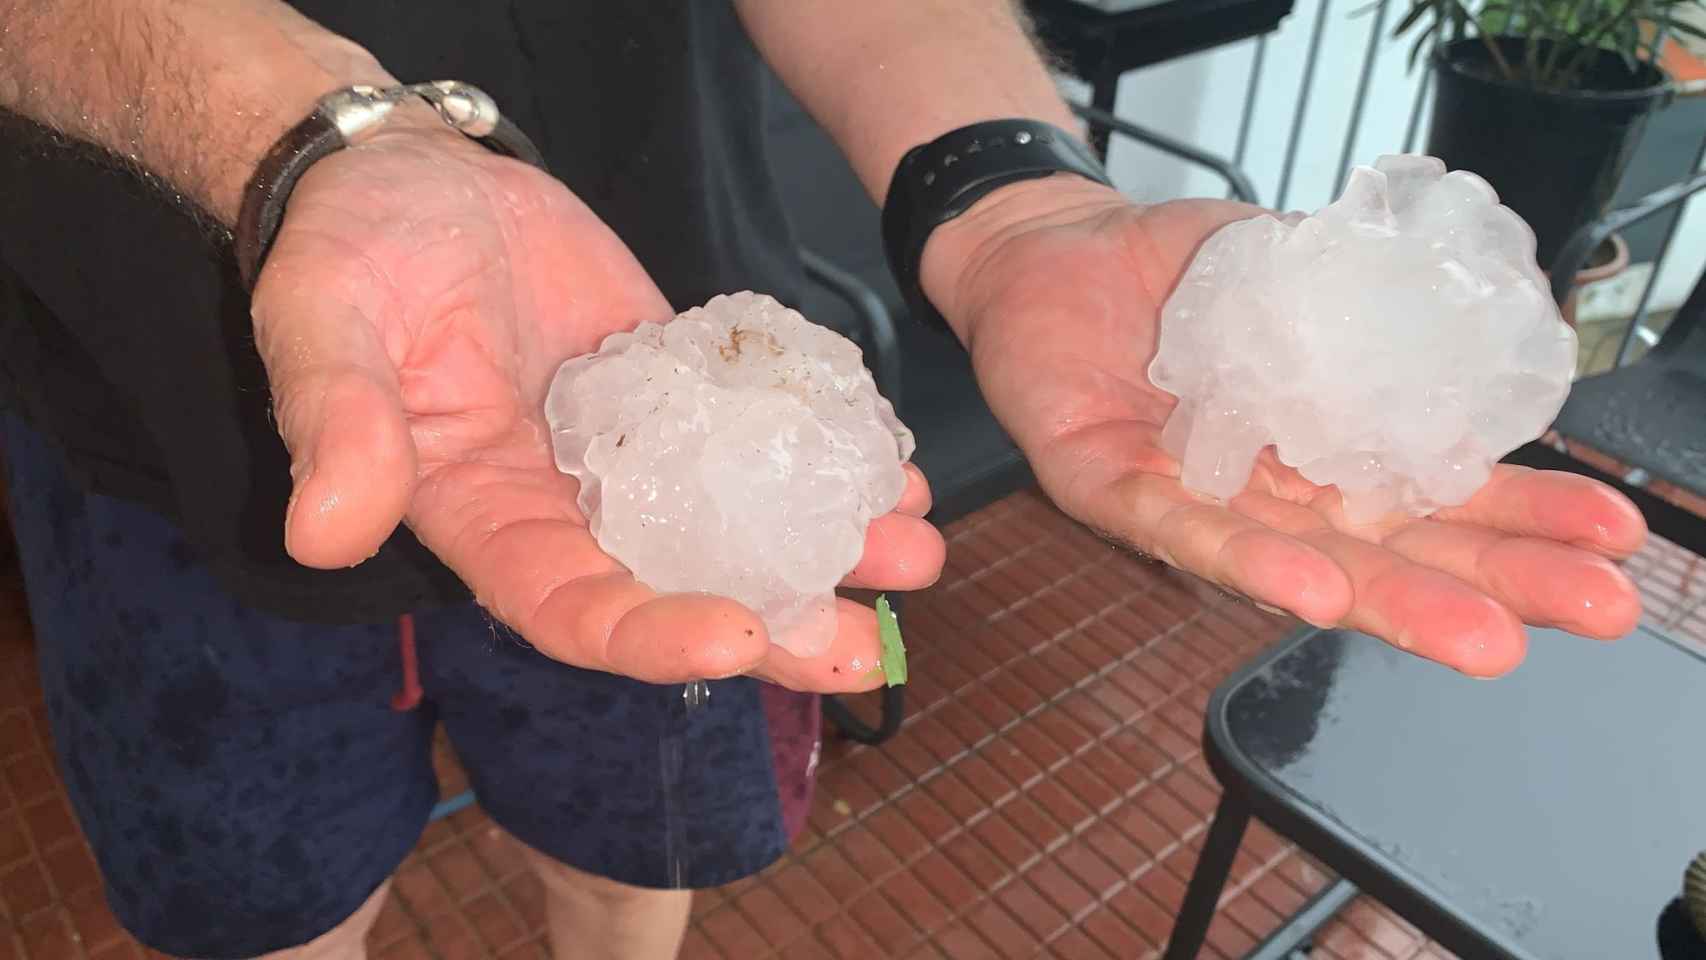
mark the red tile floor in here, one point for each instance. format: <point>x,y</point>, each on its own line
<point>1046,797</point>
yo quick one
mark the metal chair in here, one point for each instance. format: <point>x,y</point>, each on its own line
<point>1650,414</point>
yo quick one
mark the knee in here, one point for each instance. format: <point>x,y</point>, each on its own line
<point>562,880</point>
<point>346,941</point>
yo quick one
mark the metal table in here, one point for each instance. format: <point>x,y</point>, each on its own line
<point>1099,46</point>
<point>1548,814</point>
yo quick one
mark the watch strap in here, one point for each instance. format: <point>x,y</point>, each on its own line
<point>940,180</point>
<point>332,126</point>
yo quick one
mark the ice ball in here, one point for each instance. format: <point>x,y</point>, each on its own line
<point>1395,344</point>
<point>738,450</point>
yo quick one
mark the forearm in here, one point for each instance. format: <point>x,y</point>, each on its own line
<point>883,76</point>
<point>192,91</point>
<point>887,75</point>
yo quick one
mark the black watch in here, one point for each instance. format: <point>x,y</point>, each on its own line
<point>348,116</point>
<point>937,181</point>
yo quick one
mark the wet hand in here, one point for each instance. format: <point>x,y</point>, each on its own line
<point>1056,286</point>
<point>420,295</point>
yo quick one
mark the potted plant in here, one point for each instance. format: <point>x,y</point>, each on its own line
<point>1545,99</point>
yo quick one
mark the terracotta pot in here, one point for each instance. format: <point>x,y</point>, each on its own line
<point>1609,260</point>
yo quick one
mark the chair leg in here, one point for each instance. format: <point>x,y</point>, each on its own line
<point>849,726</point>
<point>1209,877</point>
<point>1294,934</point>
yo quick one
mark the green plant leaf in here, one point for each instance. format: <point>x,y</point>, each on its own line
<point>1417,9</point>
<point>1498,19</point>
<point>1628,45</point>
<point>893,656</point>
<point>1422,41</point>
<point>1680,26</point>
<point>1558,39</point>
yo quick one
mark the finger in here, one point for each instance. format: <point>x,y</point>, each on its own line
<point>686,637</point>
<point>1425,611</point>
<point>850,665</point>
<point>1232,550</point>
<point>1414,607</point>
<point>339,412</point>
<point>1558,506</point>
<point>613,623</point>
<point>512,534</point>
<point>901,553</point>
<point>1542,581</point>
<point>915,499</point>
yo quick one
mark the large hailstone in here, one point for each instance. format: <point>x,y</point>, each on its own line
<point>738,450</point>
<point>1396,344</point>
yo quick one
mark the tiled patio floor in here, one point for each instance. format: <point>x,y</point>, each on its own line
<point>1047,796</point>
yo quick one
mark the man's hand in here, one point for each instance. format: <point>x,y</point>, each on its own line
<point>420,295</point>
<point>1056,286</point>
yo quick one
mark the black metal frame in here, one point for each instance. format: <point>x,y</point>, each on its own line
<point>879,325</point>
<point>1666,519</point>
<point>1100,47</point>
<point>893,707</point>
<point>1579,247</point>
<point>885,369</point>
<point>1361,869</point>
<point>1236,180</point>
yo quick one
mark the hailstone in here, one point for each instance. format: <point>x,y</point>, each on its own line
<point>1395,344</point>
<point>738,450</point>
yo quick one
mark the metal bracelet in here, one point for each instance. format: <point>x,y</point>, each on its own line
<point>359,111</point>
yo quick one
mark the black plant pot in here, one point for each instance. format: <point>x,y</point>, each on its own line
<point>1554,157</point>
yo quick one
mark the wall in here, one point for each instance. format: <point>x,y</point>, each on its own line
<point>1201,99</point>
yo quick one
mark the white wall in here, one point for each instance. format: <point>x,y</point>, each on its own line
<point>1201,98</point>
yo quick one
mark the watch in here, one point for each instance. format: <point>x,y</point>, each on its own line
<point>937,181</point>
<point>344,118</point>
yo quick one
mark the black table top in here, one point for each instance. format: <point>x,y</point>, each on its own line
<point>1551,811</point>
<point>1097,44</point>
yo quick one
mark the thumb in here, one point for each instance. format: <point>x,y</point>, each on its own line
<point>340,414</point>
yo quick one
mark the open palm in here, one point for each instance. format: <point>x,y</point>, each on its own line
<point>1062,297</point>
<point>420,295</point>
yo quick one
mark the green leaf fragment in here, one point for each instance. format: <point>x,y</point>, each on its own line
<point>893,662</point>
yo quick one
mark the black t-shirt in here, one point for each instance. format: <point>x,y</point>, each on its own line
<point>124,331</point>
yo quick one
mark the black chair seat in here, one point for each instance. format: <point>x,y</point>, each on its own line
<point>1650,415</point>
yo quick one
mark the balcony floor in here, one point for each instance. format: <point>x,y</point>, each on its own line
<point>1046,797</point>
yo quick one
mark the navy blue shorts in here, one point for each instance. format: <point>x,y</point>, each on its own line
<point>246,784</point>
